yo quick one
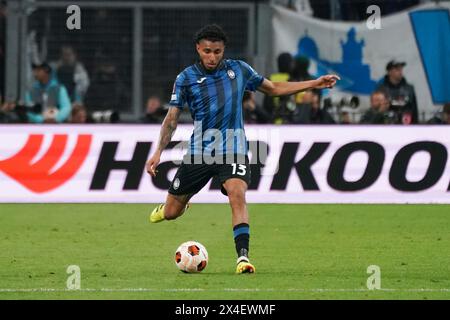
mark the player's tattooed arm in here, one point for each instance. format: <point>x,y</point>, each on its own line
<point>168,128</point>
<point>288,88</point>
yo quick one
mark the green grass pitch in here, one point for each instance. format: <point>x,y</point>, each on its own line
<point>300,252</point>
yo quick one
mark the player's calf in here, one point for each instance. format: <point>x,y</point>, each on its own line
<point>174,207</point>
<point>161,213</point>
<point>171,213</point>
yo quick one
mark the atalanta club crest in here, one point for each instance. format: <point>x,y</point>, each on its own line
<point>176,184</point>
<point>231,74</point>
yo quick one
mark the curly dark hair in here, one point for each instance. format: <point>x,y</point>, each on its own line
<point>211,32</point>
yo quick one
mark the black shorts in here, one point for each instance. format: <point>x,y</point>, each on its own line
<point>191,178</point>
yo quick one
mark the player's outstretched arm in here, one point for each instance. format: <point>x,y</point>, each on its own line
<point>168,127</point>
<point>288,88</point>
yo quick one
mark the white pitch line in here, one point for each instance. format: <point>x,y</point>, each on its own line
<point>313,290</point>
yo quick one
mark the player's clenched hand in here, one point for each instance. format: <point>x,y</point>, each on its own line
<point>152,163</point>
<point>327,81</point>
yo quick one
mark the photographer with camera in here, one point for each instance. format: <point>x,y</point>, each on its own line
<point>47,100</point>
<point>401,94</point>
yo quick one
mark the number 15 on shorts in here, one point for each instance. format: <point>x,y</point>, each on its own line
<point>239,169</point>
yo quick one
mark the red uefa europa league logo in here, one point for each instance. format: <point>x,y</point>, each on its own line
<point>37,177</point>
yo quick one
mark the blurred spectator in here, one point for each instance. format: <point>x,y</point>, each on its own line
<point>443,117</point>
<point>48,100</point>
<point>154,112</point>
<point>379,109</point>
<point>253,113</point>
<point>106,91</point>
<point>10,113</point>
<point>401,93</point>
<point>79,114</point>
<point>300,68</point>
<point>309,110</point>
<point>281,107</point>
<point>5,110</point>
<point>300,73</point>
<point>72,74</point>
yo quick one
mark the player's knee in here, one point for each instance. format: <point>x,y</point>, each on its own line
<point>236,194</point>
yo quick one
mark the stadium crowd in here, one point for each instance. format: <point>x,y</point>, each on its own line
<point>63,92</point>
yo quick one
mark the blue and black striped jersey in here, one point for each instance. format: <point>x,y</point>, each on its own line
<point>215,102</point>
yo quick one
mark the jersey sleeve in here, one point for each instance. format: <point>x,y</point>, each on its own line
<point>252,78</point>
<point>178,96</point>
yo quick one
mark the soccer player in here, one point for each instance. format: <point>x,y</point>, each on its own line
<point>213,89</point>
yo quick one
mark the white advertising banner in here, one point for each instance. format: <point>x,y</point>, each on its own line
<point>304,164</point>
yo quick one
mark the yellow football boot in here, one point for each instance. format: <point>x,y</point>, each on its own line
<point>244,266</point>
<point>157,214</point>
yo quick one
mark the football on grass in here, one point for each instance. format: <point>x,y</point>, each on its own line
<point>191,257</point>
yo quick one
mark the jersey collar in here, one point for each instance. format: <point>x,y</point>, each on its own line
<point>205,71</point>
